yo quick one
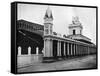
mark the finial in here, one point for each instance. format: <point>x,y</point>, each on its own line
<point>75,20</point>
<point>48,13</point>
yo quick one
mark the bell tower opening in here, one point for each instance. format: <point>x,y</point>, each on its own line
<point>74,32</point>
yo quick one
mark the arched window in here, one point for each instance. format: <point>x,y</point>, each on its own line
<point>74,32</point>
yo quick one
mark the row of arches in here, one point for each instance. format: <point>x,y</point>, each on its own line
<point>28,51</point>
<point>29,41</point>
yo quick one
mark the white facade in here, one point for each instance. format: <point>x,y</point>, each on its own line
<point>78,30</point>
<point>75,27</point>
<point>75,30</point>
<point>55,45</point>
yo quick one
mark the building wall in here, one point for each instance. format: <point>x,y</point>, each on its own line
<point>77,29</point>
<point>79,37</point>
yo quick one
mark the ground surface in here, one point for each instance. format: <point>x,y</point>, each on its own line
<point>67,64</point>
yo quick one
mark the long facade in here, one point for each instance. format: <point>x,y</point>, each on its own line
<point>62,47</point>
<point>56,46</point>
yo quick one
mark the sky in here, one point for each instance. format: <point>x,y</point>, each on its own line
<point>62,17</point>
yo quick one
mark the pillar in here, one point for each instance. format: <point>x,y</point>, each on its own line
<point>58,49</point>
<point>74,49</point>
<point>51,47</point>
<point>88,50</point>
<point>37,51</point>
<point>64,50</point>
<point>19,50</point>
<point>68,49</point>
<point>48,48</point>
<point>29,50</point>
<point>71,49</point>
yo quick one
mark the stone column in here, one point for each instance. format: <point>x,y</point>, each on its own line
<point>51,47</point>
<point>19,50</point>
<point>88,50</point>
<point>71,49</point>
<point>74,49</point>
<point>64,50</point>
<point>68,49</point>
<point>29,50</point>
<point>48,47</point>
<point>37,51</point>
<point>58,49</point>
<point>79,50</point>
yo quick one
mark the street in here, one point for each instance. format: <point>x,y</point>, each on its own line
<point>67,64</point>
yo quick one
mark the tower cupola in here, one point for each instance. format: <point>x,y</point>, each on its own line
<point>76,26</point>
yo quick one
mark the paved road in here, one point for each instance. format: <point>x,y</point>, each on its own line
<point>76,63</point>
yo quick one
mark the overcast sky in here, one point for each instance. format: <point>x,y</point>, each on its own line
<point>62,17</point>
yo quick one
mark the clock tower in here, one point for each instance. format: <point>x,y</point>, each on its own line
<point>48,22</point>
<point>48,31</point>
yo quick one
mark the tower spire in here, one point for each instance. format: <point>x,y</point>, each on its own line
<point>48,13</point>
